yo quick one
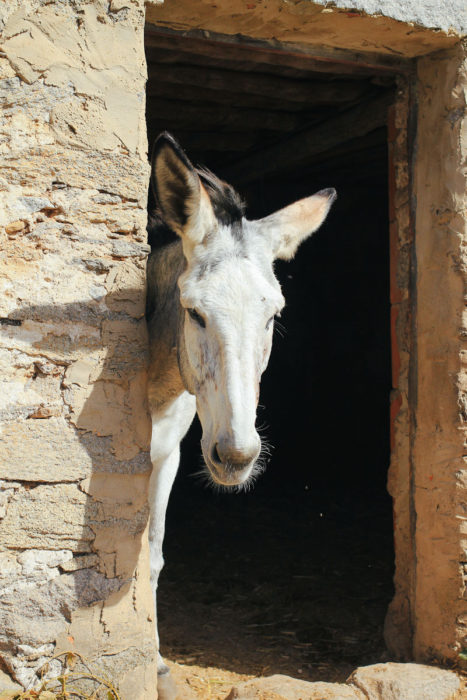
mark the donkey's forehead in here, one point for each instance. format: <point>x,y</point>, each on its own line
<point>226,243</point>
<point>237,238</point>
<point>230,278</point>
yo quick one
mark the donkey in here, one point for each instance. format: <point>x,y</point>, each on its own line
<point>212,300</point>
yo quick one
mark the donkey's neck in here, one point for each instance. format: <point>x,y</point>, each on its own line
<point>165,323</point>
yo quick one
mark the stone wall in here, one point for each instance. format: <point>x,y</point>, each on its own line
<point>74,431</point>
<point>449,16</point>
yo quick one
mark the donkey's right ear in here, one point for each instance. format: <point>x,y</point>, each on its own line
<point>184,203</point>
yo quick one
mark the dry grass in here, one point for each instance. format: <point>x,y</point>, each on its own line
<point>76,681</point>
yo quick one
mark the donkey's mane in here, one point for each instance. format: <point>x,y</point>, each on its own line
<point>227,204</point>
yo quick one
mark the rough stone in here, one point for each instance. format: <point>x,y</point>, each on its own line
<point>73,190</point>
<point>30,568</point>
<point>280,687</point>
<point>450,16</point>
<point>23,631</point>
<point>8,687</point>
<point>393,681</point>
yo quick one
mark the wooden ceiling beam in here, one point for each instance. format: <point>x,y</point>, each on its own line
<point>302,147</point>
<point>232,142</point>
<point>367,148</point>
<point>283,89</point>
<point>212,115</point>
<point>156,87</point>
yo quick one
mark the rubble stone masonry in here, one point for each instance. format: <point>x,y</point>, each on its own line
<point>74,430</point>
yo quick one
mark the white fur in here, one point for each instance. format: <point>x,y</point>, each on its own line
<point>225,360</point>
<point>169,427</point>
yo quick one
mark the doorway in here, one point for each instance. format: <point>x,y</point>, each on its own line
<point>295,576</point>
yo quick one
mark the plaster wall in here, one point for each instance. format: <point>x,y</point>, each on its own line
<point>74,431</point>
<point>333,30</point>
<point>426,619</point>
<point>439,479</point>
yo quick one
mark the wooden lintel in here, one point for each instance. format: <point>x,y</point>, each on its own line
<point>318,58</point>
<point>175,55</point>
<point>180,54</point>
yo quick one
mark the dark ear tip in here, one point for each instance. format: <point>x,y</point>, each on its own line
<point>166,139</point>
<point>329,192</point>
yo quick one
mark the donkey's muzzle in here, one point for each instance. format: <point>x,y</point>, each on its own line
<point>235,458</point>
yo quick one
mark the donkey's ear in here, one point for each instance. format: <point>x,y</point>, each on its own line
<point>288,227</point>
<point>184,203</point>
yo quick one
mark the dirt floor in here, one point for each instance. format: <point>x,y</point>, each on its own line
<point>273,581</point>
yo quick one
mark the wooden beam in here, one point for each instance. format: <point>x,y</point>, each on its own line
<point>302,147</point>
<point>185,114</point>
<point>284,89</point>
<point>188,93</point>
<point>235,53</point>
<point>231,142</point>
<point>317,58</point>
<point>339,160</point>
<point>190,56</point>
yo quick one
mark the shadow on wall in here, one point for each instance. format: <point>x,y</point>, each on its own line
<point>77,476</point>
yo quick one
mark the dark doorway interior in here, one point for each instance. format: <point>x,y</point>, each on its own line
<point>294,576</point>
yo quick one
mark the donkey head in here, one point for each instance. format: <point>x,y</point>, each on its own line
<point>229,296</point>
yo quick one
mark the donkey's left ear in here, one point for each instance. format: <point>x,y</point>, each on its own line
<point>180,195</point>
<point>288,227</point>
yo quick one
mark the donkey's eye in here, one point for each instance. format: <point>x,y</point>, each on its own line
<point>197,318</point>
<point>268,324</point>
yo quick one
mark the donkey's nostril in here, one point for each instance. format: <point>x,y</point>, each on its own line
<point>215,455</point>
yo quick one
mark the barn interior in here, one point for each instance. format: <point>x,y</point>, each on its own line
<point>294,576</point>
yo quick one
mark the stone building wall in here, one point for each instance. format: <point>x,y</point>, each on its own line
<point>74,431</point>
